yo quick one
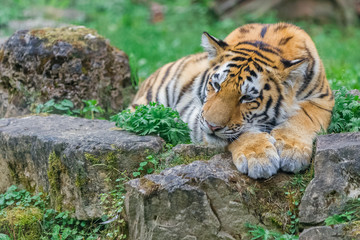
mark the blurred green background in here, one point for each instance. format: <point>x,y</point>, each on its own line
<point>155,32</point>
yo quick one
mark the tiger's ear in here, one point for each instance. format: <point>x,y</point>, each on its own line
<point>295,68</point>
<point>212,45</point>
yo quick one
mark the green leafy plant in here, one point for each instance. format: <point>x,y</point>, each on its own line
<point>260,233</point>
<point>16,197</point>
<point>60,225</point>
<point>63,107</point>
<point>91,108</point>
<point>346,112</point>
<point>66,107</point>
<point>154,119</point>
<point>339,218</point>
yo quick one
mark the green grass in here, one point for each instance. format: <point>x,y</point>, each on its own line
<point>126,23</point>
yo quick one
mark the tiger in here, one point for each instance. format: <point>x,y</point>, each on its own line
<point>261,93</point>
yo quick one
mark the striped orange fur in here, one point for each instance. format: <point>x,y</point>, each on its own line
<point>262,93</point>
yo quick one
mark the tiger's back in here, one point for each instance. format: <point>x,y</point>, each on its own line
<point>264,82</point>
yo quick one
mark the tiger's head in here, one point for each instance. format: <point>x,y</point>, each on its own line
<point>244,88</point>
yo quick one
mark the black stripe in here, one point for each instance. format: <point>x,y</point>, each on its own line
<point>284,41</point>
<point>162,83</point>
<point>258,67</point>
<point>325,94</point>
<point>307,114</point>
<point>243,30</point>
<point>184,88</point>
<point>258,60</point>
<point>149,95</point>
<point>264,113</point>
<point>267,87</point>
<point>263,31</point>
<point>315,87</point>
<point>177,75</point>
<point>233,65</point>
<point>253,73</point>
<point>238,52</point>
<point>257,53</point>
<point>262,46</point>
<point>281,27</point>
<point>202,86</point>
<point>316,105</point>
<point>278,103</point>
<point>187,120</point>
<point>238,59</point>
<point>182,111</point>
<point>309,74</point>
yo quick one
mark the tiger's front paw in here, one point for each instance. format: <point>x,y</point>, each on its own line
<point>255,154</point>
<point>294,152</point>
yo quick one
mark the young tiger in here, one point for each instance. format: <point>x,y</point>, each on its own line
<point>262,92</point>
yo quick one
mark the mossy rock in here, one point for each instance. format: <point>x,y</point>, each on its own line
<point>74,63</point>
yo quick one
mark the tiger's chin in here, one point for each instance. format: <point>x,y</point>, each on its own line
<point>214,140</point>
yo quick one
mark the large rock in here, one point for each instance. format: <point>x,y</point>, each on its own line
<point>69,158</point>
<point>337,177</point>
<point>202,200</point>
<point>61,63</point>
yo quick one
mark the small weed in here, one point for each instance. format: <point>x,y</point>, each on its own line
<point>90,109</point>
<point>351,212</point>
<point>154,119</point>
<point>260,233</point>
<point>147,167</point>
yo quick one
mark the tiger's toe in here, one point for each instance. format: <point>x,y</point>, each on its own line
<point>294,157</point>
<point>257,166</point>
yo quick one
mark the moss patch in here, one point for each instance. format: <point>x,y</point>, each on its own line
<point>55,171</point>
<point>24,222</point>
<point>76,36</point>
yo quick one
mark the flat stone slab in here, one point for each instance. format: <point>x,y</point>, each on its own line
<point>69,158</point>
<point>337,177</point>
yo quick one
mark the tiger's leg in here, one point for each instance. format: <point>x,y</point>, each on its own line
<point>294,138</point>
<point>255,154</point>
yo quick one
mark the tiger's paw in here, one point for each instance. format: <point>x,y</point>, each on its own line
<point>295,153</point>
<point>256,156</point>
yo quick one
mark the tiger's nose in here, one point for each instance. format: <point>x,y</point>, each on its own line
<point>213,127</point>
